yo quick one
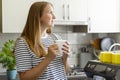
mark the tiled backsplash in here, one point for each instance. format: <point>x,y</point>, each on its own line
<point>77,40</point>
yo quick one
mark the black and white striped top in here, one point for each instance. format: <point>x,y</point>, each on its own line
<point>26,59</point>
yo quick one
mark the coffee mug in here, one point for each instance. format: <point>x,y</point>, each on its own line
<point>60,44</point>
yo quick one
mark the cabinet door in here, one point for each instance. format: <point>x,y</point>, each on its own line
<point>59,9</point>
<point>14,15</point>
<point>70,10</point>
<point>104,16</point>
<point>77,10</point>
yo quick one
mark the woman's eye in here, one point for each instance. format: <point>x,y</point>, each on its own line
<point>51,12</point>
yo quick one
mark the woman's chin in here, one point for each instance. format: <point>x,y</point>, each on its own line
<point>51,25</point>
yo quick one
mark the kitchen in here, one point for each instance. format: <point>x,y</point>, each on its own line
<point>91,19</point>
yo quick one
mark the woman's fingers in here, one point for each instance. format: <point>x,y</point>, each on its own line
<point>53,49</point>
<point>66,48</point>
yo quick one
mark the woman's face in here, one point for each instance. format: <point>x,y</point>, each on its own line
<point>48,16</point>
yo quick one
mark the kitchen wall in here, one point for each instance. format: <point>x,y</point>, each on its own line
<point>77,41</point>
<point>66,32</point>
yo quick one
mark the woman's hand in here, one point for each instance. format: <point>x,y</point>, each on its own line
<point>52,51</point>
<point>66,50</point>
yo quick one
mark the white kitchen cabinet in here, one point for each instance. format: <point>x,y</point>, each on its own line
<point>104,16</point>
<point>59,9</point>
<point>70,11</point>
<point>77,10</point>
<point>14,15</point>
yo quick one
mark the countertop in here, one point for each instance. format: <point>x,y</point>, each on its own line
<point>3,76</point>
<point>2,73</point>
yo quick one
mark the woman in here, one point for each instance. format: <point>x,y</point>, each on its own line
<point>35,51</point>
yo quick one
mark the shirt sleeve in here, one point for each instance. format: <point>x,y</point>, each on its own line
<point>23,58</point>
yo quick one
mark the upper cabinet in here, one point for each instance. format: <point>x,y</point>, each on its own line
<point>59,9</point>
<point>103,16</point>
<point>77,10</point>
<point>14,15</point>
<point>70,12</point>
<point>0,16</point>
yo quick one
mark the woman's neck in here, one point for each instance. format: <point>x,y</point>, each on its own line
<point>44,35</point>
<point>43,32</point>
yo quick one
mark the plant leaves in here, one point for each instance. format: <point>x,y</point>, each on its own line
<point>7,57</point>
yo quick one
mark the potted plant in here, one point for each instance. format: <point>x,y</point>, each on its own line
<point>7,59</point>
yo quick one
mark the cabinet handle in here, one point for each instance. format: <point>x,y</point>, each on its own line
<point>68,11</point>
<point>89,28</point>
<point>89,24</point>
<point>63,11</point>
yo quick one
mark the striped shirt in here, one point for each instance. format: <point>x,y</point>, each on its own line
<point>26,59</point>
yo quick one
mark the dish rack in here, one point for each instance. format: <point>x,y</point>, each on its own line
<point>116,49</point>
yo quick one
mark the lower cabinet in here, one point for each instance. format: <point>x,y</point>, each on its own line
<point>3,77</point>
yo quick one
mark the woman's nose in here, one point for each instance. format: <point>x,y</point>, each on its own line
<point>54,17</point>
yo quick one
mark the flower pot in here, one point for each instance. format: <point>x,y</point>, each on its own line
<point>11,74</point>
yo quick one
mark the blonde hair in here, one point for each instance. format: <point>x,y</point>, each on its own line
<point>32,29</point>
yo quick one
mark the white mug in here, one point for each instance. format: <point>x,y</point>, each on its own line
<point>60,44</point>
